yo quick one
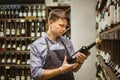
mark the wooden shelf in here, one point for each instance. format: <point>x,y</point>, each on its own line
<point>115,28</point>
<point>109,73</point>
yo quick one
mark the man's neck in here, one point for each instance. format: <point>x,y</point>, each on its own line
<point>51,36</point>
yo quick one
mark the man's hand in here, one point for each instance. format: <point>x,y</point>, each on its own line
<point>66,67</point>
<point>81,57</point>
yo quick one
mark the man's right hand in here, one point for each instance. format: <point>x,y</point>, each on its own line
<point>66,67</point>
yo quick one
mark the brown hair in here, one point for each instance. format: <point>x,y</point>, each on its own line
<point>56,14</point>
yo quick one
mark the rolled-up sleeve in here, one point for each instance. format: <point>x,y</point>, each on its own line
<point>35,63</point>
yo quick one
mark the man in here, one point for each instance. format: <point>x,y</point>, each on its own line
<point>49,54</point>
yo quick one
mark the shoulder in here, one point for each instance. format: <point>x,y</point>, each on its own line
<point>65,40</point>
<point>39,41</point>
<point>38,45</point>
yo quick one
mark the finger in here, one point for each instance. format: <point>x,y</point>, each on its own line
<point>88,53</point>
<point>65,59</point>
<point>81,57</point>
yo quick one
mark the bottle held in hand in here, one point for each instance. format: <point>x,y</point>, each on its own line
<point>84,50</point>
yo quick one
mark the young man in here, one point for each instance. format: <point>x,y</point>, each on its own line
<point>49,54</point>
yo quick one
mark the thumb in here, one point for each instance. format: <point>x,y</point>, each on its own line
<point>65,59</point>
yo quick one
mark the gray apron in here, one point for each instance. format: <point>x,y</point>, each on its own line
<point>54,59</point>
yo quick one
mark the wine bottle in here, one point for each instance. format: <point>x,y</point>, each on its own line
<point>43,27</point>
<point>118,11</point>
<point>8,58</point>
<point>20,12</point>
<point>115,69</point>
<point>2,73</point>
<point>117,72</point>
<point>23,59</point>
<point>34,11</point>
<point>13,28</point>
<point>8,28</point>
<point>23,28</point>
<point>22,74</point>
<point>1,30</point>
<point>43,11</point>
<point>28,59</point>
<point>17,72</point>
<point>39,12</point>
<point>28,74</point>
<point>38,29</point>
<point>8,76</point>
<point>33,30</point>
<point>112,9</point>
<point>23,46</point>
<point>18,61</point>
<point>3,59</point>
<point>14,47</point>
<point>29,11</point>
<point>83,50</point>
<point>25,11</point>
<point>18,30</point>
<point>3,47</point>
<point>16,12</point>
<point>12,73</point>
<point>13,58</point>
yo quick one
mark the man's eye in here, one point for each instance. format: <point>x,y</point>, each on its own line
<point>61,25</point>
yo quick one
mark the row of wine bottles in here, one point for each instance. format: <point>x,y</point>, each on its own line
<point>22,28</point>
<point>111,47</point>
<point>14,46</point>
<point>109,16</point>
<point>17,58</point>
<point>21,11</point>
<point>111,64</point>
<point>14,73</point>
<point>111,35</point>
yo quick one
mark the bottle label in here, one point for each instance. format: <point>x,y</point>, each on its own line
<point>17,77</point>
<point>20,14</point>
<point>23,47</point>
<point>3,61</point>
<point>25,14</point>
<point>14,46</point>
<point>13,31</point>
<point>7,31</point>
<point>39,14</point>
<point>29,14</point>
<point>32,34</point>
<point>28,61</point>
<point>12,78</point>
<point>23,31</point>
<point>8,61</point>
<point>14,60</point>
<point>34,13</point>
<point>18,61</point>
<point>28,78</point>
<point>2,78</point>
<point>1,34</point>
<point>38,34</point>
<point>22,77</point>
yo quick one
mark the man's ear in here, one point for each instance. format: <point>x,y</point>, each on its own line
<point>50,22</point>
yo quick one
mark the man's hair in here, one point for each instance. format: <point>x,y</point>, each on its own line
<point>56,14</point>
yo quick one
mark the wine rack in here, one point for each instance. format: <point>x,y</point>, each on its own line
<point>20,25</point>
<point>108,29</point>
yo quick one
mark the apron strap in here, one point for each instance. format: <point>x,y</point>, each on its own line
<point>48,48</point>
<point>65,48</point>
<point>63,45</point>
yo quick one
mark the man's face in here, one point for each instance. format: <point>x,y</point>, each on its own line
<point>58,27</point>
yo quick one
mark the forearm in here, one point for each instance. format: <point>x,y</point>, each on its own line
<point>47,74</point>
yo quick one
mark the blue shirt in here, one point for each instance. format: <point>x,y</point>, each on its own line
<point>38,51</point>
